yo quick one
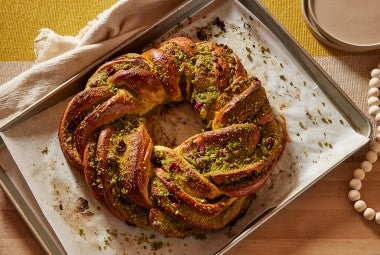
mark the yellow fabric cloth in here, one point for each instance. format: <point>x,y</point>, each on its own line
<point>67,17</point>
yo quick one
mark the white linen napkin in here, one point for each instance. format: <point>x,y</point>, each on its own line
<point>58,58</point>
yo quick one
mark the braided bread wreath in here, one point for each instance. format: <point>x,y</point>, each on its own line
<point>204,183</point>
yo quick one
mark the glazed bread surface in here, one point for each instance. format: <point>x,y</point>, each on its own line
<point>201,185</point>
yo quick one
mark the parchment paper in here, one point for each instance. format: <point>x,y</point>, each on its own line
<point>319,136</point>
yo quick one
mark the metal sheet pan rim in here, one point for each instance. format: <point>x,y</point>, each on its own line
<point>46,238</point>
<point>365,129</point>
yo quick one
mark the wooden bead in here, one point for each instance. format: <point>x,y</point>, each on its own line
<point>369,213</point>
<point>366,166</point>
<point>374,82</point>
<point>375,73</point>
<point>373,101</point>
<point>377,136</point>
<point>360,206</point>
<point>373,92</point>
<point>359,174</point>
<point>371,156</point>
<point>355,184</point>
<point>353,195</point>
<point>377,217</point>
<point>373,110</point>
<point>374,146</point>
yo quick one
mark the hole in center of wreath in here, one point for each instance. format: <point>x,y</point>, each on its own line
<point>171,124</point>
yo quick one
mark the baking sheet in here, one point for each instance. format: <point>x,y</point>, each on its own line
<point>321,137</point>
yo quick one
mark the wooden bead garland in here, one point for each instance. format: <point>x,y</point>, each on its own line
<point>369,213</point>
<point>371,156</point>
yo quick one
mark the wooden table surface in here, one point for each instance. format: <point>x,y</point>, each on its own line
<point>320,221</point>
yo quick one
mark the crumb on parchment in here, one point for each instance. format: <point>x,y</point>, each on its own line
<point>44,150</point>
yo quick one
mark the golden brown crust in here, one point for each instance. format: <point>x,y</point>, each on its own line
<point>82,103</point>
<point>166,64</point>
<point>201,185</point>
